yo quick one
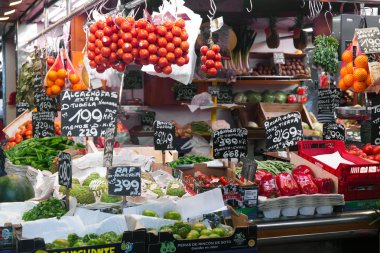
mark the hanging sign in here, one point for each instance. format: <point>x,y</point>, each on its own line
<point>164,135</point>
<point>333,131</point>
<point>368,40</point>
<point>230,143</point>
<point>64,169</point>
<point>43,124</point>
<point>225,94</point>
<point>88,113</point>
<point>108,147</point>
<point>21,107</point>
<point>213,90</point>
<point>185,92</point>
<point>283,131</point>
<point>124,181</point>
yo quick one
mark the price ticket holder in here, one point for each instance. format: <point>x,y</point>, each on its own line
<point>65,174</point>
<point>124,181</point>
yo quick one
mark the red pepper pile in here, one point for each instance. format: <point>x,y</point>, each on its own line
<point>369,151</point>
<point>199,179</point>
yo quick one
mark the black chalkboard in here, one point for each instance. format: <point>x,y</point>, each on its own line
<point>21,107</point>
<point>375,125</point>
<point>37,85</point>
<point>133,80</point>
<point>328,100</point>
<point>65,175</point>
<point>230,143</point>
<point>44,103</point>
<point>249,169</point>
<point>164,135</point>
<point>225,94</point>
<point>185,92</point>
<point>43,124</point>
<point>283,131</point>
<point>124,181</point>
<point>88,113</point>
<point>333,131</point>
<point>2,162</point>
<point>148,118</point>
<point>108,147</point>
<point>213,90</point>
<point>368,40</point>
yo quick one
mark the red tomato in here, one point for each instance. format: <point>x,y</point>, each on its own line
<point>115,29</point>
<point>127,58</point>
<point>50,60</point>
<point>120,53</point>
<point>210,64</point>
<point>210,54</point>
<point>215,48</point>
<point>158,69</point>
<point>97,51</point>
<point>91,55</point>
<point>143,53</point>
<point>135,42</point>
<point>120,43</point>
<point>180,23</point>
<point>105,51</point>
<point>377,158</point>
<point>126,26</point>
<point>152,49</point>
<point>100,24</point>
<point>91,38</point>
<point>152,38</point>
<point>113,57</point>
<point>93,28</point>
<point>150,28</point>
<point>141,23</point>
<point>170,47</point>
<point>218,65</point>
<point>177,41</point>
<point>107,31</point>
<point>99,34</point>
<point>167,70</point>
<point>120,67</point>
<point>176,31</point>
<point>218,57</point>
<point>203,59</point>
<point>135,52</point>
<point>178,52</point>
<point>100,69</point>
<point>187,59</point>
<point>180,61</point>
<point>127,47</point>
<point>119,20</point>
<point>162,52</point>
<point>212,71</point>
<point>127,37</point>
<point>161,30</point>
<point>171,57</point>
<point>131,20</point>
<point>113,47</point>
<point>153,59</point>
<point>169,36</point>
<point>184,35</point>
<point>142,34</point>
<point>204,68</point>
<point>143,44</point>
<point>109,21</point>
<point>204,50</point>
<point>99,43</point>
<point>368,149</point>
<point>185,45</point>
<point>98,59</point>
<point>376,150</point>
<point>352,152</point>
<point>106,41</point>
<point>162,42</point>
<point>168,25</point>
<point>93,64</point>
<point>163,62</point>
<point>134,33</point>
<point>114,37</point>
<point>145,61</point>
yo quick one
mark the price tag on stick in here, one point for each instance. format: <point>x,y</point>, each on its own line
<point>164,135</point>
<point>124,181</point>
<point>43,124</point>
<point>21,107</point>
<point>2,162</point>
<point>185,92</point>
<point>368,40</point>
<point>375,125</point>
<point>334,132</point>
<point>249,169</point>
<point>108,147</point>
<point>65,175</point>
<point>230,143</point>
<point>284,131</point>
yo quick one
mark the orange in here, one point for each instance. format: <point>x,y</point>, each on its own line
<point>49,82</point>
<point>360,74</point>
<point>55,89</point>
<point>48,92</point>
<point>361,61</point>
<point>347,56</point>
<point>52,75</point>
<point>350,68</point>
<point>74,78</point>
<point>342,86</point>
<point>61,73</point>
<point>368,82</point>
<point>348,80</point>
<point>60,82</point>
<point>76,87</point>
<point>343,71</point>
<point>359,87</point>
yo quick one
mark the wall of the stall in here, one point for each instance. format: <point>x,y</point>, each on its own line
<point>9,76</point>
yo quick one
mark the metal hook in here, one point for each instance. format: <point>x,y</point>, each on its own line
<point>249,10</point>
<point>327,22</point>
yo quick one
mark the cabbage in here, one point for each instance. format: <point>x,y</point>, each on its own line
<point>240,97</point>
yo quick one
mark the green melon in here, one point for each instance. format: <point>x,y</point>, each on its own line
<point>15,188</point>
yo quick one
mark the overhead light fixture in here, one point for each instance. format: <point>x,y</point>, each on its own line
<point>4,18</point>
<point>308,30</point>
<point>9,12</point>
<point>15,3</point>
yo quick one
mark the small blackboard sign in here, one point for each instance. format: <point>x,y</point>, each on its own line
<point>124,181</point>
<point>21,107</point>
<point>368,40</point>
<point>375,125</point>
<point>108,147</point>
<point>6,237</point>
<point>213,90</point>
<point>88,113</point>
<point>133,80</point>
<point>333,131</point>
<point>185,92</point>
<point>279,58</point>
<point>230,143</point>
<point>2,162</point>
<point>37,85</point>
<point>44,103</point>
<point>328,100</point>
<point>64,169</point>
<point>43,124</point>
<point>164,135</point>
<point>283,131</point>
<point>148,118</point>
<point>225,94</point>
<point>249,169</point>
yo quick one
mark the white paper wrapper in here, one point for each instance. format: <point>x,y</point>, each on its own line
<point>12,212</point>
<point>138,221</point>
<point>333,160</point>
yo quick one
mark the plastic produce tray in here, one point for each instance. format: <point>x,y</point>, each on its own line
<point>358,181</point>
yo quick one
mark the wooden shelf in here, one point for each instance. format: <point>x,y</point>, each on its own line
<point>266,81</point>
<point>256,80</point>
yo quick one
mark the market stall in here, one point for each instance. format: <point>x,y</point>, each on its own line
<point>173,126</point>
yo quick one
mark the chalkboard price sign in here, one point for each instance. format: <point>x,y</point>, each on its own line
<point>283,131</point>
<point>213,90</point>
<point>21,107</point>
<point>328,100</point>
<point>43,124</point>
<point>2,162</point>
<point>368,40</point>
<point>375,125</point>
<point>64,169</point>
<point>334,131</point>
<point>108,147</point>
<point>124,181</point>
<point>44,103</point>
<point>185,92</point>
<point>249,169</point>
<point>88,113</point>
<point>37,85</point>
<point>225,94</point>
<point>230,143</point>
<point>164,135</point>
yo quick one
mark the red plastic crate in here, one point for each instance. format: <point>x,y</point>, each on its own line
<point>356,182</point>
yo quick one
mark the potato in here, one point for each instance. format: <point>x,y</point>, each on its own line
<point>297,72</point>
<point>293,73</point>
<point>255,73</point>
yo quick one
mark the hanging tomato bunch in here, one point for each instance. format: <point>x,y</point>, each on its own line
<point>211,59</point>
<point>121,41</point>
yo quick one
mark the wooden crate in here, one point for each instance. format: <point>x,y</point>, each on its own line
<point>270,110</point>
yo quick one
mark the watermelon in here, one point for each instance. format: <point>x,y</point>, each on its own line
<point>240,98</point>
<point>268,97</point>
<point>280,97</point>
<point>253,97</point>
<point>15,188</point>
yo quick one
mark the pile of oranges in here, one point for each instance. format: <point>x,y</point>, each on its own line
<point>358,77</point>
<point>56,80</point>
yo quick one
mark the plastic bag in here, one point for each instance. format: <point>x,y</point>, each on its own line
<point>325,185</point>
<point>268,187</point>
<point>260,174</point>
<point>203,99</point>
<point>183,74</point>
<point>302,169</point>
<point>305,183</point>
<point>287,185</point>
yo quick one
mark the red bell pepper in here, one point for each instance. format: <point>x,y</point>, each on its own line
<point>268,187</point>
<point>287,185</point>
<point>325,185</point>
<point>259,175</point>
<point>305,183</point>
<point>302,169</point>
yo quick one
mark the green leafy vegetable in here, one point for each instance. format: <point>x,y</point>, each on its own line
<point>46,209</point>
<point>326,53</point>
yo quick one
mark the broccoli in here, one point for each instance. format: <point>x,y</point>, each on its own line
<point>182,229</point>
<point>119,237</point>
<point>79,243</point>
<point>175,188</point>
<point>88,237</point>
<point>90,177</point>
<point>109,237</point>
<point>73,238</point>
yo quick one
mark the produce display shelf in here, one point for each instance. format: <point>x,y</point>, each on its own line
<point>257,80</point>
